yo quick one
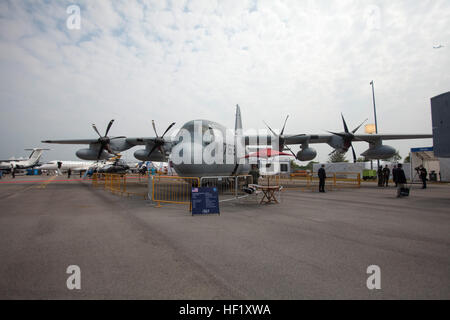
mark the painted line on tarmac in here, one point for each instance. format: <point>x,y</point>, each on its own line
<point>41,181</point>
<point>45,183</point>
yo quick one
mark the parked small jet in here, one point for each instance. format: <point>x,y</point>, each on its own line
<point>66,165</point>
<point>31,162</point>
<point>204,148</point>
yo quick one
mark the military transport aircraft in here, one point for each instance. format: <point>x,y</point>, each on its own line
<point>31,162</point>
<point>205,148</point>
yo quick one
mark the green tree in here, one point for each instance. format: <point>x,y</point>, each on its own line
<point>407,159</point>
<point>396,157</point>
<point>294,166</point>
<point>361,159</point>
<point>337,157</point>
<point>309,166</point>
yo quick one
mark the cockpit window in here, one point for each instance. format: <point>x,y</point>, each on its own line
<point>207,130</point>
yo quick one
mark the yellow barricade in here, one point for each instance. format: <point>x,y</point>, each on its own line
<point>120,184</point>
<point>310,181</point>
<point>173,189</point>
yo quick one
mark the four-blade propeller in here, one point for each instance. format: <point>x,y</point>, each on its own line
<point>348,136</point>
<point>159,141</point>
<point>281,139</point>
<point>104,141</point>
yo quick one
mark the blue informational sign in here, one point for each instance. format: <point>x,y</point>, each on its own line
<point>422,149</point>
<point>205,201</point>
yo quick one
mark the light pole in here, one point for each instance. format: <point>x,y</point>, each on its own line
<point>375,115</point>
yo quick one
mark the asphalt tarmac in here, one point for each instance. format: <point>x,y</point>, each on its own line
<point>310,246</point>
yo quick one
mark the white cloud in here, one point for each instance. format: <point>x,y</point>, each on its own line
<point>180,60</point>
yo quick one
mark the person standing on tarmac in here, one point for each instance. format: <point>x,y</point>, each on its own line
<point>394,174</point>
<point>401,179</point>
<point>255,174</point>
<point>386,174</point>
<point>423,176</point>
<point>322,176</point>
<point>69,172</point>
<point>380,176</point>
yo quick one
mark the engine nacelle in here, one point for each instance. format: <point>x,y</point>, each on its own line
<point>142,155</point>
<point>379,152</point>
<point>91,154</point>
<point>306,154</point>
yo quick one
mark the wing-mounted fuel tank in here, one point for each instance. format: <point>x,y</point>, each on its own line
<point>379,152</point>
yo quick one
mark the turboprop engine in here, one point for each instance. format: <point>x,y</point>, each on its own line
<point>92,154</point>
<point>379,152</point>
<point>306,154</point>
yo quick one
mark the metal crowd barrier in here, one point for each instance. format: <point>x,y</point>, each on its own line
<point>119,184</point>
<point>310,181</point>
<point>172,189</point>
<point>229,187</point>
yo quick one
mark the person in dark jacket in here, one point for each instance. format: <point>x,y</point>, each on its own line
<point>401,179</point>
<point>254,172</point>
<point>394,175</point>
<point>322,176</point>
<point>380,176</point>
<point>423,175</point>
<point>386,174</point>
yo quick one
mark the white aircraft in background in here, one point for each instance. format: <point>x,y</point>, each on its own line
<point>31,162</point>
<point>63,165</point>
<point>438,46</point>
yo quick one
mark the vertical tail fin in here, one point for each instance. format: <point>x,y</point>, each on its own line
<point>238,120</point>
<point>238,152</point>
<point>36,154</point>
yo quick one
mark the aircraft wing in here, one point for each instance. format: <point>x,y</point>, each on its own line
<point>324,138</point>
<point>150,141</point>
<point>78,141</point>
<point>141,140</point>
<point>11,160</point>
<point>375,137</point>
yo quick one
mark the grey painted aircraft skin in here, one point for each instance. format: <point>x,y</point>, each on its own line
<point>160,149</point>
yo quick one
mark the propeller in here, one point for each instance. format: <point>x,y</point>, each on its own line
<point>281,138</point>
<point>348,136</point>
<point>159,141</point>
<point>104,141</point>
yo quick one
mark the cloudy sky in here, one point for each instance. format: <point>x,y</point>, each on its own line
<point>178,60</point>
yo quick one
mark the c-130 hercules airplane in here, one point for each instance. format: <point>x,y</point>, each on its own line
<point>207,148</point>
